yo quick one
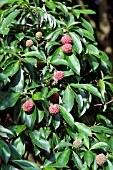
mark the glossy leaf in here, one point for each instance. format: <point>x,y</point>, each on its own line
<point>63,157</point>
<point>8,99</point>
<point>83,128</point>
<point>99,145</point>
<point>67,116</point>
<point>77,42</point>
<point>77,161</point>
<point>24,164</point>
<point>68,99</point>
<point>74,64</point>
<point>88,157</point>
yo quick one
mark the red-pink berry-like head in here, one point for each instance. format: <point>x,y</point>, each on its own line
<point>54,109</point>
<point>54,97</point>
<point>67,48</point>
<point>100,159</point>
<point>28,106</point>
<point>66,39</point>
<point>29,43</point>
<point>58,75</point>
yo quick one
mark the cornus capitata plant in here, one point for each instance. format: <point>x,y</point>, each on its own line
<point>55,89</point>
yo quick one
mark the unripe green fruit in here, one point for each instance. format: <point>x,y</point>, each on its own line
<point>38,35</point>
<point>77,143</point>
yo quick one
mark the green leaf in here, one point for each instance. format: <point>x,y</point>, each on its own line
<point>52,91</point>
<point>99,145</point>
<point>71,132</point>
<point>68,99</point>
<point>104,59</point>
<point>77,42</point>
<point>40,141</point>
<point>91,49</point>
<point>50,45</point>
<point>109,165</point>
<point>54,35</point>
<point>30,119</point>
<point>67,116</point>
<point>11,69</point>
<point>57,165</point>
<point>77,160</point>
<point>74,64</point>
<point>7,21</point>
<point>68,73</point>
<point>32,60</point>
<point>51,5</point>
<point>14,152</point>
<point>56,121</point>
<point>88,87</point>
<point>102,87</point>
<point>19,145</point>
<point>5,131</point>
<point>8,99</point>
<point>19,128</point>
<point>63,157</point>
<point>88,157</point>
<point>20,36</point>
<point>4,77</point>
<point>93,62</point>
<point>59,61</point>
<point>40,115</point>
<point>58,54</point>
<point>87,11</point>
<point>24,164</point>
<point>86,25</point>
<point>49,168</point>
<point>36,54</point>
<point>110,142</point>
<point>77,12</point>
<point>38,96</point>
<point>88,35</point>
<point>63,144</point>
<point>83,128</point>
<point>17,84</point>
<point>101,129</point>
<point>4,151</point>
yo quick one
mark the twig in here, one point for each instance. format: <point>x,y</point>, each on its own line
<point>105,103</point>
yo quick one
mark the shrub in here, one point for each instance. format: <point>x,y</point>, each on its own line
<point>53,93</point>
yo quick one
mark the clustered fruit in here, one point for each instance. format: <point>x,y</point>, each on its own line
<point>77,143</point>
<point>38,35</point>
<point>58,75</point>
<point>28,106</point>
<point>54,97</point>
<point>54,109</point>
<point>66,41</point>
<point>29,43</point>
<point>101,159</point>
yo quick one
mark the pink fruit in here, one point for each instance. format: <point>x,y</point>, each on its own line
<point>66,39</point>
<point>54,109</point>
<point>28,106</point>
<point>29,43</point>
<point>100,159</point>
<point>67,48</point>
<point>58,75</point>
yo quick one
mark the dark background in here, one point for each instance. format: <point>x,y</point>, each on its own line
<point>102,22</point>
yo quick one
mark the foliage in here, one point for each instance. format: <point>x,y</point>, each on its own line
<point>37,139</point>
